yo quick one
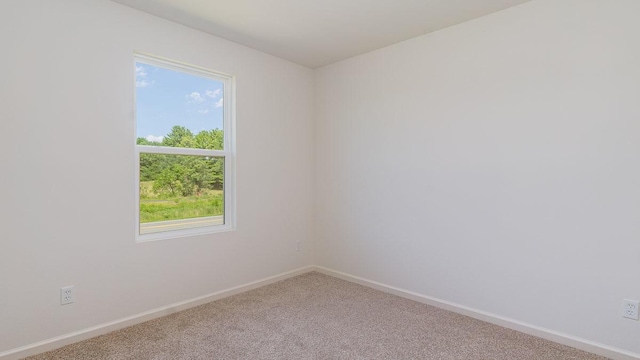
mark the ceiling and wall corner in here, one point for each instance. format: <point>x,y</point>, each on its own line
<point>317,33</point>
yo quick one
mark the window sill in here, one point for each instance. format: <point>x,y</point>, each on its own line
<point>181,233</point>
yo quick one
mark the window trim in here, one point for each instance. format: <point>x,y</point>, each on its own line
<point>228,153</point>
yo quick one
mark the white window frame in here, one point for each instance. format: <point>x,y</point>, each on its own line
<point>228,153</point>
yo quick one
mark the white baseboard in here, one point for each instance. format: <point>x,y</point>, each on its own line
<point>60,341</point>
<point>565,339</point>
<point>555,336</point>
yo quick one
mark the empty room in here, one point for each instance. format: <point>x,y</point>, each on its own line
<point>304,179</point>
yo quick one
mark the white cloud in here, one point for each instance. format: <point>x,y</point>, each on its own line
<point>141,71</point>
<point>205,101</point>
<point>142,83</point>
<point>154,138</point>
<point>195,97</point>
<point>214,93</point>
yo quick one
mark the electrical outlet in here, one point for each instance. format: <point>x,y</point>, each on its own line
<point>630,309</point>
<point>67,295</point>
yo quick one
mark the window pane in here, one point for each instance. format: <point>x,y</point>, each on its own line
<point>178,109</point>
<point>180,192</point>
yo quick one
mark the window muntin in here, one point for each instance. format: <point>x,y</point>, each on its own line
<point>184,150</point>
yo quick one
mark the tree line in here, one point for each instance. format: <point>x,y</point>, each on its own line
<point>184,175</point>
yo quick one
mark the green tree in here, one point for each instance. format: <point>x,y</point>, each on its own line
<point>212,140</point>
<point>151,165</point>
<point>217,174</point>
<point>169,180</point>
<point>179,136</point>
<point>143,141</point>
<point>183,175</point>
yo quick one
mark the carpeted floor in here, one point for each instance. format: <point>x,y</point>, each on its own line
<point>314,316</point>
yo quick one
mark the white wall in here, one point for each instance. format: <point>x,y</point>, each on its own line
<point>494,164</point>
<point>67,169</point>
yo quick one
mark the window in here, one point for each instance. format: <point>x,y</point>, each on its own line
<point>184,150</point>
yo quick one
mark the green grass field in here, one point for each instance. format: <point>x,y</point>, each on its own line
<point>155,208</point>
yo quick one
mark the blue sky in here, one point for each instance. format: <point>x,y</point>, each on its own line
<point>165,98</point>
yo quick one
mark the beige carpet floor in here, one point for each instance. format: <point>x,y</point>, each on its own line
<point>314,316</point>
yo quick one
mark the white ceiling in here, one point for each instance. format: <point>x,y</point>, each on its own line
<point>315,33</point>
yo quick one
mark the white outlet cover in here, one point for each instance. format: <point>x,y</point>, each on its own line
<point>67,295</point>
<point>630,309</point>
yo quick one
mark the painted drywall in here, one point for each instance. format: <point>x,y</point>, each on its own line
<point>494,165</point>
<point>67,169</point>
